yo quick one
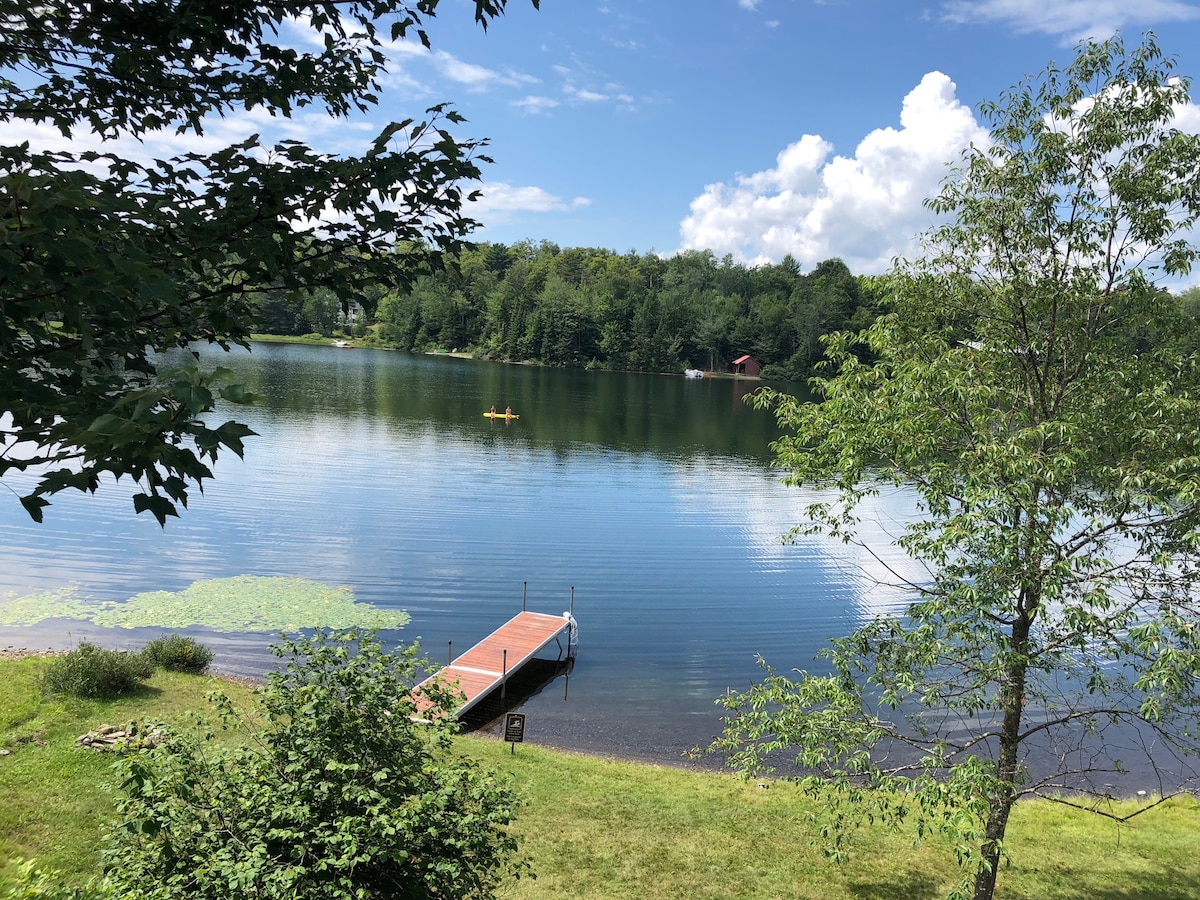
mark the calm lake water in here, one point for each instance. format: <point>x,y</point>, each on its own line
<point>651,496</point>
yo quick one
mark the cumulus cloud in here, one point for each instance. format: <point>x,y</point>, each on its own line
<point>866,209</point>
<point>1072,20</point>
<point>1187,118</point>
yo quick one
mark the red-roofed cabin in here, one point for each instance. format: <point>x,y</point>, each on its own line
<point>746,365</point>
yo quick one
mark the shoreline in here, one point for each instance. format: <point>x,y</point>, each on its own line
<point>493,731</point>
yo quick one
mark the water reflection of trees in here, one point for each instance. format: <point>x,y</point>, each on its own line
<point>560,409</point>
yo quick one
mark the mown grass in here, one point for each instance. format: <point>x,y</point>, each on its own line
<point>597,828</point>
<point>56,795</point>
<point>319,340</point>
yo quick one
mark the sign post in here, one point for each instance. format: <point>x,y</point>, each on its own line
<point>514,729</point>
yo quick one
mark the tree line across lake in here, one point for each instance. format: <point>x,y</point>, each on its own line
<point>587,307</point>
<point>593,308</point>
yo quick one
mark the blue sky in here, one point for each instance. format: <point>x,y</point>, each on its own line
<point>653,126</point>
<point>749,127</point>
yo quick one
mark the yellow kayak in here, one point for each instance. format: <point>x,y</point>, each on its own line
<point>495,415</point>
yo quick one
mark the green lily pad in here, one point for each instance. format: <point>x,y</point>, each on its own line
<point>241,603</point>
<point>60,603</point>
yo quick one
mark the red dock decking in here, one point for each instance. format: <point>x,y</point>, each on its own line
<point>486,665</point>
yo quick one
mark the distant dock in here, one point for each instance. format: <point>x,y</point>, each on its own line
<point>491,662</point>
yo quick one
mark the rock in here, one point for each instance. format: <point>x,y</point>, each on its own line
<point>113,737</point>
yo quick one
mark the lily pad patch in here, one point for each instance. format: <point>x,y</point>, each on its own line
<point>238,604</point>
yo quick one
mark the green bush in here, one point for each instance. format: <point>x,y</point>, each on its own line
<point>177,653</point>
<point>339,794</point>
<point>91,672</point>
<point>33,883</point>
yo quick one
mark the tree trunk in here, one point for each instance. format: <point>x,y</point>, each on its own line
<point>997,823</point>
<point>1001,801</point>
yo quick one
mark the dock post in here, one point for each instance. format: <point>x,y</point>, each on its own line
<point>572,599</point>
<point>524,596</point>
<point>504,675</point>
<point>449,652</point>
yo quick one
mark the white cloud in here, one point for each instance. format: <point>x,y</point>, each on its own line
<point>500,198</point>
<point>325,133</point>
<point>866,209</point>
<point>585,96</point>
<point>463,72</point>
<point>535,105</point>
<point>1072,20</point>
<point>408,56</point>
<point>475,77</point>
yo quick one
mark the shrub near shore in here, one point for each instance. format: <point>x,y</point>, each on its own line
<point>596,827</point>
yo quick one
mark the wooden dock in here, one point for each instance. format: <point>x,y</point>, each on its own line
<point>493,660</point>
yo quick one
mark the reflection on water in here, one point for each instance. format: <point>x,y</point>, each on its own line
<point>652,496</point>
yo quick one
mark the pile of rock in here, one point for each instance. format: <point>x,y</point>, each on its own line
<point>128,737</point>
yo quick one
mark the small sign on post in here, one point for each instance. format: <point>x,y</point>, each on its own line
<point>514,729</point>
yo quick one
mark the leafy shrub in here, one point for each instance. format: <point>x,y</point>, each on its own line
<point>338,793</point>
<point>34,883</point>
<point>91,672</point>
<point>177,653</point>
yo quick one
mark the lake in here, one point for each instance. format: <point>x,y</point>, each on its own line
<point>649,498</point>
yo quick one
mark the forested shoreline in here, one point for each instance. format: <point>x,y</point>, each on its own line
<point>583,307</point>
<point>594,308</point>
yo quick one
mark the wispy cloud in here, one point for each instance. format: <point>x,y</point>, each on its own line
<point>1071,20</point>
<point>500,199</point>
<point>321,131</point>
<point>584,96</point>
<point>535,105</point>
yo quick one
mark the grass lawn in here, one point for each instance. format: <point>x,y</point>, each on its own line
<point>605,828</point>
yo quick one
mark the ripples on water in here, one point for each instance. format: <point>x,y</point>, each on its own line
<point>651,496</point>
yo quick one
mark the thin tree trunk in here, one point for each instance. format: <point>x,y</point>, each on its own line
<point>1001,802</point>
<point>985,878</point>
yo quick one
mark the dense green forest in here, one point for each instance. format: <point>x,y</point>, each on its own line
<point>593,308</point>
<point>583,307</point>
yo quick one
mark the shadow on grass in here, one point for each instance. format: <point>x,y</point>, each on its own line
<point>141,691</point>
<point>1135,886</point>
<point>1189,891</point>
<point>899,887</point>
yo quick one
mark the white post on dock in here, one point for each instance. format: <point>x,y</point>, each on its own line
<point>504,675</point>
